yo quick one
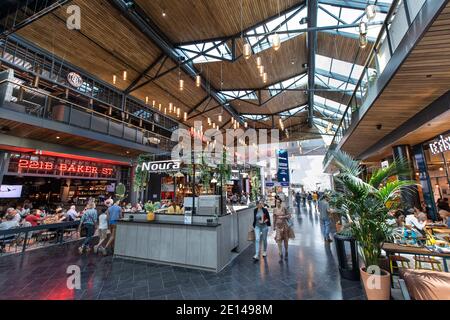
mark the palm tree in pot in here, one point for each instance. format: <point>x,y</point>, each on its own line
<point>366,204</point>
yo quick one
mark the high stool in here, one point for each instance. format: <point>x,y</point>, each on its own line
<point>398,258</point>
<point>426,259</point>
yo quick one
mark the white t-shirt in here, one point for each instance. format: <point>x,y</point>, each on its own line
<point>412,221</point>
<point>103,221</point>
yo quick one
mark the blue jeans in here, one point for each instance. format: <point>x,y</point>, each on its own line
<point>261,232</point>
<point>90,230</point>
<point>325,224</point>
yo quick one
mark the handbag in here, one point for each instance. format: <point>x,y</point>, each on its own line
<point>290,223</point>
<point>251,235</point>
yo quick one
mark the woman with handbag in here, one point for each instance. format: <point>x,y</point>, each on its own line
<point>283,228</point>
<point>261,224</point>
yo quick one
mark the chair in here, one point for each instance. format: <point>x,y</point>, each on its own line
<point>426,259</point>
<point>398,259</point>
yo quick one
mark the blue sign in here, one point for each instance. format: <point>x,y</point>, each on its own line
<point>270,184</point>
<point>283,167</point>
<point>284,184</point>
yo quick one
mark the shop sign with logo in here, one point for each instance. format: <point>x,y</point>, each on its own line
<point>161,166</point>
<point>283,166</point>
<point>441,145</point>
<point>75,79</point>
<point>24,164</point>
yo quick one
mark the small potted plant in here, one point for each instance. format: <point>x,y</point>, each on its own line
<point>367,205</point>
<point>150,209</point>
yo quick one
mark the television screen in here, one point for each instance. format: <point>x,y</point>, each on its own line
<point>111,187</point>
<point>8,191</point>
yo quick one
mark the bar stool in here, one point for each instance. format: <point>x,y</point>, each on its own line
<point>426,259</point>
<point>398,258</point>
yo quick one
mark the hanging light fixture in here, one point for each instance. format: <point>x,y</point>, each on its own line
<point>265,77</point>
<point>170,107</point>
<point>125,75</point>
<point>245,124</point>
<point>153,103</point>
<point>220,118</point>
<point>363,41</point>
<point>209,121</point>
<point>276,42</point>
<point>178,112</point>
<point>165,110</point>
<point>362,28</point>
<point>258,61</point>
<point>185,116</point>
<point>114,79</point>
<point>146,100</point>
<point>261,70</point>
<point>198,81</point>
<point>213,125</point>
<point>181,87</point>
<point>159,107</point>
<point>371,12</point>
<point>247,51</point>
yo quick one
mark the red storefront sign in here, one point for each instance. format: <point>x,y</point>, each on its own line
<point>64,167</point>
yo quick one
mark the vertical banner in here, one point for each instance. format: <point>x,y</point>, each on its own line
<point>283,167</point>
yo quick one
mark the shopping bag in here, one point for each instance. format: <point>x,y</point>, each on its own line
<point>291,233</point>
<point>251,235</point>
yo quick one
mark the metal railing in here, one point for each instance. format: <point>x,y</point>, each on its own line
<point>19,240</point>
<point>38,103</point>
<point>397,23</point>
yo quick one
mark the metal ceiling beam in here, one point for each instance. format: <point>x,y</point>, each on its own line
<point>312,43</point>
<point>138,17</point>
<point>199,104</point>
<point>336,76</point>
<point>143,74</point>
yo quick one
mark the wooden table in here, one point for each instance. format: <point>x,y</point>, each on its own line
<point>441,230</point>
<point>392,248</point>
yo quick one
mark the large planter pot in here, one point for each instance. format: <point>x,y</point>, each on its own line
<point>377,287</point>
<point>150,216</point>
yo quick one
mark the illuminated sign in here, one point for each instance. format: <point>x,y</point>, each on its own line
<point>75,79</point>
<point>441,145</point>
<point>63,167</point>
<point>161,166</point>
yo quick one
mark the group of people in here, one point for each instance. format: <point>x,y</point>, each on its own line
<point>236,198</point>
<point>310,198</point>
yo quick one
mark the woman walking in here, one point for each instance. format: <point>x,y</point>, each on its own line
<point>261,223</point>
<point>282,229</point>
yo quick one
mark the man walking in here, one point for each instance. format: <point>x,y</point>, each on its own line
<point>325,222</point>
<point>298,199</point>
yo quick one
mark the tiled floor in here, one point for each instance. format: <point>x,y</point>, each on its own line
<point>310,273</point>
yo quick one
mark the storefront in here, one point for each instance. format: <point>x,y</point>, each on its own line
<point>432,164</point>
<point>49,179</point>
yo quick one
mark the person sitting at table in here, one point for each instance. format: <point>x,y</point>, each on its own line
<point>416,219</point>
<point>444,215</point>
<point>9,222</point>
<point>60,214</point>
<point>34,218</point>
<point>72,214</point>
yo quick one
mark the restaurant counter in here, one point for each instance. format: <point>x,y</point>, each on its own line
<point>202,244</point>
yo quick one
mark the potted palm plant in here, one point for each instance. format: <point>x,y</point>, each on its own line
<point>150,209</point>
<point>366,204</point>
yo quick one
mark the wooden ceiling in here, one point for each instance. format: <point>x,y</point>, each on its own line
<point>109,43</point>
<point>424,76</point>
<point>188,20</point>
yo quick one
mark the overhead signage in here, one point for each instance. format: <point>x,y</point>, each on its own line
<point>75,79</point>
<point>283,166</point>
<point>441,145</point>
<point>270,184</point>
<point>161,166</point>
<point>63,167</point>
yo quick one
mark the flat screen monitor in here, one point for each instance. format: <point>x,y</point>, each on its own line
<point>10,191</point>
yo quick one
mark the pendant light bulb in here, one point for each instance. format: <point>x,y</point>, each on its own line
<point>265,77</point>
<point>170,107</point>
<point>181,85</point>
<point>125,74</point>
<point>114,79</point>
<point>185,116</point>
<point>247,51</point>
<point>362,28</point>
<point>198,81</point>
<point>159,107</point>
<point>276,42</point>
<point>258,61</point>
<point>146,100</point>
<point>220,118</point>
<point>209,121</point>
<point>178,112</point>
<point>363,41</point>
<point>261,71</point>
<point>371,12</point>
<point>153,103</point>
<point>245,124</point>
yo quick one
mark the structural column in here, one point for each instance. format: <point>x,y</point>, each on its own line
<point>410,197</point>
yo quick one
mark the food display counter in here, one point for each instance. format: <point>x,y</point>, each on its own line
<point>208,242</point>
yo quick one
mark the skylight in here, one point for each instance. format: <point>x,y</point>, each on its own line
<point>291,112</point>
<point>206,51</point>
<point>241,94</point>
<point>292,83</point>
<point>255,117</point>
<point>285,22</point>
